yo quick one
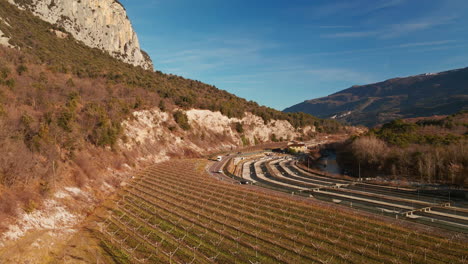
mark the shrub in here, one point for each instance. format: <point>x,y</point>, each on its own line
<point>162,105</point>
<point>65,119</point>
<point>70,83</point>
<point>4,72</point>
<point>274,138</point>
<point>30,206</point>
<point>106,133</point>
<point>256,141</point>
<point>369,149</point>
<point>181,119</point>
<point>292,151</point>
<point>245,141</point>
<point>21,69</point>
<point>239,127</point>
<point>10,83</point>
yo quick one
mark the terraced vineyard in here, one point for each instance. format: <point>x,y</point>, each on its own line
<point>175,213</point>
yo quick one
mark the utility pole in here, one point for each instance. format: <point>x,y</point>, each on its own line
<point>53,170</point>
<point>359,171</point>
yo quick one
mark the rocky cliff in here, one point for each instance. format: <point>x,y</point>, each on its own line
<point>151,133</point>
<point>99,24</point>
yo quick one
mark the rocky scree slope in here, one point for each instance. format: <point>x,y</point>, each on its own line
<point>99,24</point>
<point>415,96</point>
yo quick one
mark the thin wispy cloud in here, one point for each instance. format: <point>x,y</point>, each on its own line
<point>341,74</point>
<point>216,50</point>
<point>445,47</point>
<point>395,30</point>
<point>331,9</point>
<point>334,27</point>
<point>351,34</point>
<point>438,44</point>
<point>383,4</point>
<point>425,44</point>
<point>215,55</point>
<point>353,8</point>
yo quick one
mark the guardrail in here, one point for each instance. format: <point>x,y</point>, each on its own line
<point>229,174</point>
<point>426,209</point>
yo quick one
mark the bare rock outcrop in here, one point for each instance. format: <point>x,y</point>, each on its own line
<point>101,24</point>
<point>154,135</point>
<point>4,40</point>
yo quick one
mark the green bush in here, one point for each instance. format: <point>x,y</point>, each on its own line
<point>245,141</point>
<point>21,69</point>
<point>4,72</point>
<point>181,119</point>
<point>65,120</point>
<point>274,138</point>
<point>106,133</point>
<point>256,141</point>
<point>239,127</point>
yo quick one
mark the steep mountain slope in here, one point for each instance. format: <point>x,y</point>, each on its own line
<point>422,95</point>
<point>74,119</point>
<point>99,24</point>
<point>37,39</point>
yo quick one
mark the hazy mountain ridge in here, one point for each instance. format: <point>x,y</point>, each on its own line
<point>414,96</point>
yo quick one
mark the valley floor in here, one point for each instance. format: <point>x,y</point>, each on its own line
<point>286,173</point>
<point>175,213</point>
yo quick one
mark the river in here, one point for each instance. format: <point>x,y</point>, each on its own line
<point>328,163</point>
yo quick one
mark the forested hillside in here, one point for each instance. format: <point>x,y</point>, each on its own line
<point>431,150</point>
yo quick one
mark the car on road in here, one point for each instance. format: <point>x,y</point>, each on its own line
<point>220,171</point>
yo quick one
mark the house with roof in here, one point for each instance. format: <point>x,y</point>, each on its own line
<point>297,147</point>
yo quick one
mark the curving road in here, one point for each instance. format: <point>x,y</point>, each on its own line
<point>286,175</point>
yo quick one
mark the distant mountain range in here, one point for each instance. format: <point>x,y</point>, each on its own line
<point>415,96</point>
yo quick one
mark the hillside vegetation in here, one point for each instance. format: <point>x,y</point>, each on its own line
<point>432,150</point>
<point>34,38</point>
<point>62,105</point>
<point>423,95</point>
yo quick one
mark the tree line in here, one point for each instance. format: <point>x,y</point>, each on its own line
<point>427,150</point>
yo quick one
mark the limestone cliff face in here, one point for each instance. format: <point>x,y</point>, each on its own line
<point>99,24</point>
<point>149,133</point>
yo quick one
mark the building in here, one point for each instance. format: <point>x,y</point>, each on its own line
<point>297,147</point>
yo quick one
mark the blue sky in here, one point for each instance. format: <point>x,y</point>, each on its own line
<point>279,53</point>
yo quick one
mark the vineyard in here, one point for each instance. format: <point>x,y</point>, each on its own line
<point>175,213</point>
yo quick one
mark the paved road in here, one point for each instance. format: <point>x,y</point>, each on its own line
<point>288,175</point>
<point>219,165</point>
